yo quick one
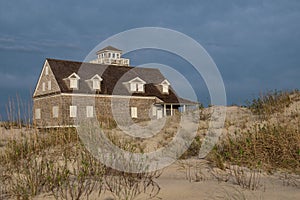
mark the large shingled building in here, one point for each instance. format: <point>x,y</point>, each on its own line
<point>96,86</point>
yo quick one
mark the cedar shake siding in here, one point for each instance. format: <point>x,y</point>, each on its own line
<point>90,89</point>
<point>101,109</point>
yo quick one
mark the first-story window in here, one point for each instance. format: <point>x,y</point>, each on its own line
<point>89,111</point>
<point>133,112</point>
<point>154,110</point>
<point>73,111</point>
<point>55,111</point>
<point>37,113</point>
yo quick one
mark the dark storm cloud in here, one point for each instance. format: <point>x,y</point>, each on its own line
<point>254,43</point>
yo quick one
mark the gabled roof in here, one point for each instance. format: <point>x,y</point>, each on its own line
<point>113,78</point>
<point>109,48</point>
<point>74,75</point>
<point>137,80</point>
<point>165,82</point>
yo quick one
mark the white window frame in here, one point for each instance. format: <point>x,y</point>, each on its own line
<point>96,84</point>
<point>73,111</point>
<point>133,87</point>
<point>55,111</point>
<point>46,70</point>
<point>37,113</point>
<point>43,86</point>
<point>154,110</point>
<point>73,83</point>
<point>165,88</point>
<point>133,112</point>
<point>49,85</point>
<point>89,111</point>
<point>140,87</point>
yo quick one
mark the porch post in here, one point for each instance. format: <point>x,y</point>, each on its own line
<point>165,110</point>
<point>171,109</point>
<point>184,108</point>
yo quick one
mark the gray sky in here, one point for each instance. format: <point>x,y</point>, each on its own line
<point>255,44</point>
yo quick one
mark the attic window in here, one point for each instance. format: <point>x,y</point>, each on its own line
<point>136,85</point>
<point>165,86</point>
<point>74,79</point>
<point>96,82</point>
<point>46,70</point>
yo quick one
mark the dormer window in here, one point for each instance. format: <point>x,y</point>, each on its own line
<point>136,85</point>
<point>96,82</point>
<point>165,86</point>
<point>74,79</point>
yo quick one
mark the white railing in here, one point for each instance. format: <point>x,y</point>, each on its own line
<point>111,61</point>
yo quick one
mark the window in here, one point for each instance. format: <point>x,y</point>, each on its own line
<point>73,111</point>
<point>74,80</point>
<point>154,111</point>
<point>49,85</point>
<point>109,55</point>
<point>96,84</point>
<point>46,70</point>
<point>133,112</point>
<point>140,87</point>
<point>89,111</point>
<point>43,87</point>
<point>37,113</point>
<point>136,87</point>
<point>55,111</point>
<point>165,88</point>
<point>132,87</point>
<point>73,83</point>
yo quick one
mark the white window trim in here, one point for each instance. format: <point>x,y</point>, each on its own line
<point>73,111</point>
<point>165,86</point>
<point>55,111</point>
<point>37,113</point>
<point>89,111</point>
<point>49,85</point>
<point>133,111</point>
<point>74,81</point>
<point>136,85</point>
<point>46,70</point>
<point>43,86</point>
<point>154,110</point>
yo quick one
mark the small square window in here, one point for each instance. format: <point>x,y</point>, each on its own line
<point>132,87</point>
<point>133,112</point>
<point>73,83</point>
<point>140,87</point>
<point>73,111</point>
<point>89,111</point>
<point>165,88</point>
<point>96,84</point>
<point>55,111</point>
<point>37,113</point>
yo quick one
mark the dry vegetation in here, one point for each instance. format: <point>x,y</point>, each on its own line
<point>262,138</point>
